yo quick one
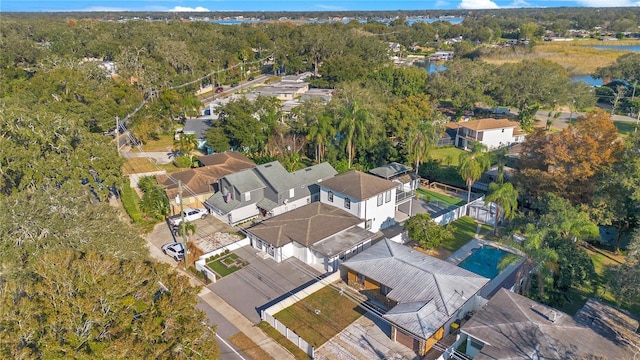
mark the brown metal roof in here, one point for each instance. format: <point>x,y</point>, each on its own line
<point>306,225</point>
<point>358,185</point>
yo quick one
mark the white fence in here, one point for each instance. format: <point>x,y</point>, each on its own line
<point>290,335</point>
<point>457,213</point>
<point>267,314</point>
<point>201,263</point>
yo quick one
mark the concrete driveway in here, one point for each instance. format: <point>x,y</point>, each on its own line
<point>261,282</point>
<point>365,338</point>
<point>161,234</point>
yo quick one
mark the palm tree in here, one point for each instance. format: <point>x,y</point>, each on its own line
<point>420,141</point>
<point>352,122</point>
<point>506,197</point>
<point>473,164</point>
<point>186,143</point>
<point>500,156</point>
<point>319,133</point>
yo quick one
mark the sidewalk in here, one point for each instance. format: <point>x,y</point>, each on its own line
<point>243,324</point>
<point>161,235</point>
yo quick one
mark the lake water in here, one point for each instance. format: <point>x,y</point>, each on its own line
<point>433,67</point>
<point>453,21</point>
<point>587,79</point>
<point>632,48</point>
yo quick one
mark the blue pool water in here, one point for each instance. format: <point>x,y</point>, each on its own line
<point>484,261</point>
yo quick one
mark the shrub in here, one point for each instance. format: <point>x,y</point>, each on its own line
<point>183,162</point>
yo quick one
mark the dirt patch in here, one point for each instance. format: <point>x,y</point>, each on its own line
<point>247,346</point>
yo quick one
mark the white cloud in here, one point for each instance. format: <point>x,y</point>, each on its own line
<point>606,3</point>
<point>189,9</point>
<point>519,4</point>
<point>477,4</point>
<point>330,7</point>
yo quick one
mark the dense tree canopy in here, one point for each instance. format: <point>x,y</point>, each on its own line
<point>568,163</point>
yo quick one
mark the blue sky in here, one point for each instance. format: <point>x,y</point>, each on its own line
<point>291,5</point>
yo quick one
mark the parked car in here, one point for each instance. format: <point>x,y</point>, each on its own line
<point>219,89</point>
<point>190,214</point>
<point>174,249</point>
<point>251,78</point>
<point>234,84</point>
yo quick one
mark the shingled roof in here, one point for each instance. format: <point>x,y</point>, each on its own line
<point>515,327</point>
<point>232,160</point>
<point>306,225</point>
<point>488,124</point>
<point>358,185</point>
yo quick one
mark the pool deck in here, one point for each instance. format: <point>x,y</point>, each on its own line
<point>476,243</point>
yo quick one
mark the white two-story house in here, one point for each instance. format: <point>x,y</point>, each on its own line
<point>493,133</point>
<point>366,196</point>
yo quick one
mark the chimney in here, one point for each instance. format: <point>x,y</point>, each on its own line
<point>553,316</point>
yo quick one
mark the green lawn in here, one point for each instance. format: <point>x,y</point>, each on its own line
<point>464,229</point>
<point>432,196</point>
<point>226,265</point>
<point>164,143</point>
<point>320,316</point>
<point>625,127</point>
<point>447,155</point>
<point>577,297</point>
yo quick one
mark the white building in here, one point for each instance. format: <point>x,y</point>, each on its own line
<point>493,133</point>
<point>366,196</point>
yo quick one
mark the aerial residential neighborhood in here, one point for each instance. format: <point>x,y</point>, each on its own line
<point>278,183</point>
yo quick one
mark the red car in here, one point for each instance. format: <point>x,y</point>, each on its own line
<point>219,90</point>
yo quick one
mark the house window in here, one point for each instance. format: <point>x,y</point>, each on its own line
<point>347,203</point>
<point>476,343</point>
<point>247,196</point>
<point>330,196</point>
<point>379,199</point>
<point>360,279</point>
<point>387,196</point>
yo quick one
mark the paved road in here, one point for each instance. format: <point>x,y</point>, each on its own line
<point>563,121</point>
<point>228,90</point>
<point>224,330</point>
<point>219,309</point>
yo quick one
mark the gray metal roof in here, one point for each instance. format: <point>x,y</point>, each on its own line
<point>390,170</point>
<point>417,278</point>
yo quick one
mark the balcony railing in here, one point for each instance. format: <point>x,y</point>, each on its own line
<point>402,196</point>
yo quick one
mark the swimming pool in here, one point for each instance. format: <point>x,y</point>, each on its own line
<point>484,261</point>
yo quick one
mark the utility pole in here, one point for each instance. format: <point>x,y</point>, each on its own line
<point>182,228</point>
<point>117,132</point>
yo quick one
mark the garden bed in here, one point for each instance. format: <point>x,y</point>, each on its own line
<point>226,263</point>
